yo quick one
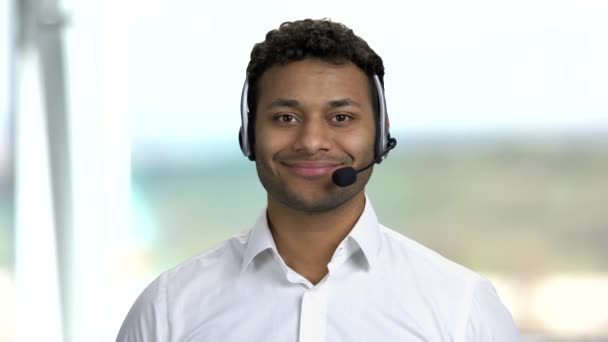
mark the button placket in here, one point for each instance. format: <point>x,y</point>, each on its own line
<point>313,314</point>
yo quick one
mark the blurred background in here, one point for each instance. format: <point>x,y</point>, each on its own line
<point>119,157</point>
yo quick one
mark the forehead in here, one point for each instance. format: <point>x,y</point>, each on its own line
<point>314,79</point>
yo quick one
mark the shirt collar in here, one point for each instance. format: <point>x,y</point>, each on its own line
<point>366,233</point>
<point>259,240</point>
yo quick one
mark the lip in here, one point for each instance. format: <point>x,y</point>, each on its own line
<point>311,168</point>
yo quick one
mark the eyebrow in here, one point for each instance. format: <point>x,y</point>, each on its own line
<point>343,103</point>
<point>280,102</point>
<point>291,103</point>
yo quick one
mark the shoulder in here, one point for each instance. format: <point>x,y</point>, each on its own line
<point>223,256</point>
<point>467,301</point>
<point>218,264</point>
<point>148,317</point>
<point>489,319</point>
<point>428,264</point>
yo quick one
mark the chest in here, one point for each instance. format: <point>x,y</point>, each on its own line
<point>339,311</point>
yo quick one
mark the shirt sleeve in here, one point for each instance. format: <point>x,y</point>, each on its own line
<point>489,320</point>
<point>147,318</point>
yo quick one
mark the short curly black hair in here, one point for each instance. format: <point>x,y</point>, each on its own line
<point>294,41</point>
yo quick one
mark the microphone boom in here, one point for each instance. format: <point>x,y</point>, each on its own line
<point>346,176</point>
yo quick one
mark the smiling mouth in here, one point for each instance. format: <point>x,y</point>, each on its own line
<point>312,169</point>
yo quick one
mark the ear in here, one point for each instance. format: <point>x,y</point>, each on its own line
<point>388,122</point>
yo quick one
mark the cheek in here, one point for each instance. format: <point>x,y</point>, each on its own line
<point>268,143</point>
<point>363,149</point>
<point>360,143</point>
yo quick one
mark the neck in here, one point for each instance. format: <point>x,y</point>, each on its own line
<point>307,240</point>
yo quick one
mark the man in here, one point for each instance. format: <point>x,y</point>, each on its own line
<point>317,265</point>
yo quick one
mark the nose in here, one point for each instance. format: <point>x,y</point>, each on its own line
<point>313,137</point>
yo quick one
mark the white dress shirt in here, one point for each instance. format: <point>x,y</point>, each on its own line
<point>381,286</point>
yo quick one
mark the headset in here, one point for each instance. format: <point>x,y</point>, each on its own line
<point>383,144</point>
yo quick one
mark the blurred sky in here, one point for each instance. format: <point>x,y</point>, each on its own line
<point>4,60</point>
<point>4,85</point>
<point>450,66</point>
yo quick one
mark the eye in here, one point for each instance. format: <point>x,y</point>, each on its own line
<point>341,118</point>
<point>285,118</point>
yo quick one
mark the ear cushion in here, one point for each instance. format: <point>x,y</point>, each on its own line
<point>246,143</point>
<point>382,143</point>
<point>380,132</point>
<point>251,155</point>
<point>251,137</point>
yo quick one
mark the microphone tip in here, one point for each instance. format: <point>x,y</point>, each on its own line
<point>344,177</point>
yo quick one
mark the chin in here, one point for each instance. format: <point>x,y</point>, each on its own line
<point>315,201</point>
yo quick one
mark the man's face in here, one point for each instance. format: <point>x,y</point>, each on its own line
<point>313,118</point>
